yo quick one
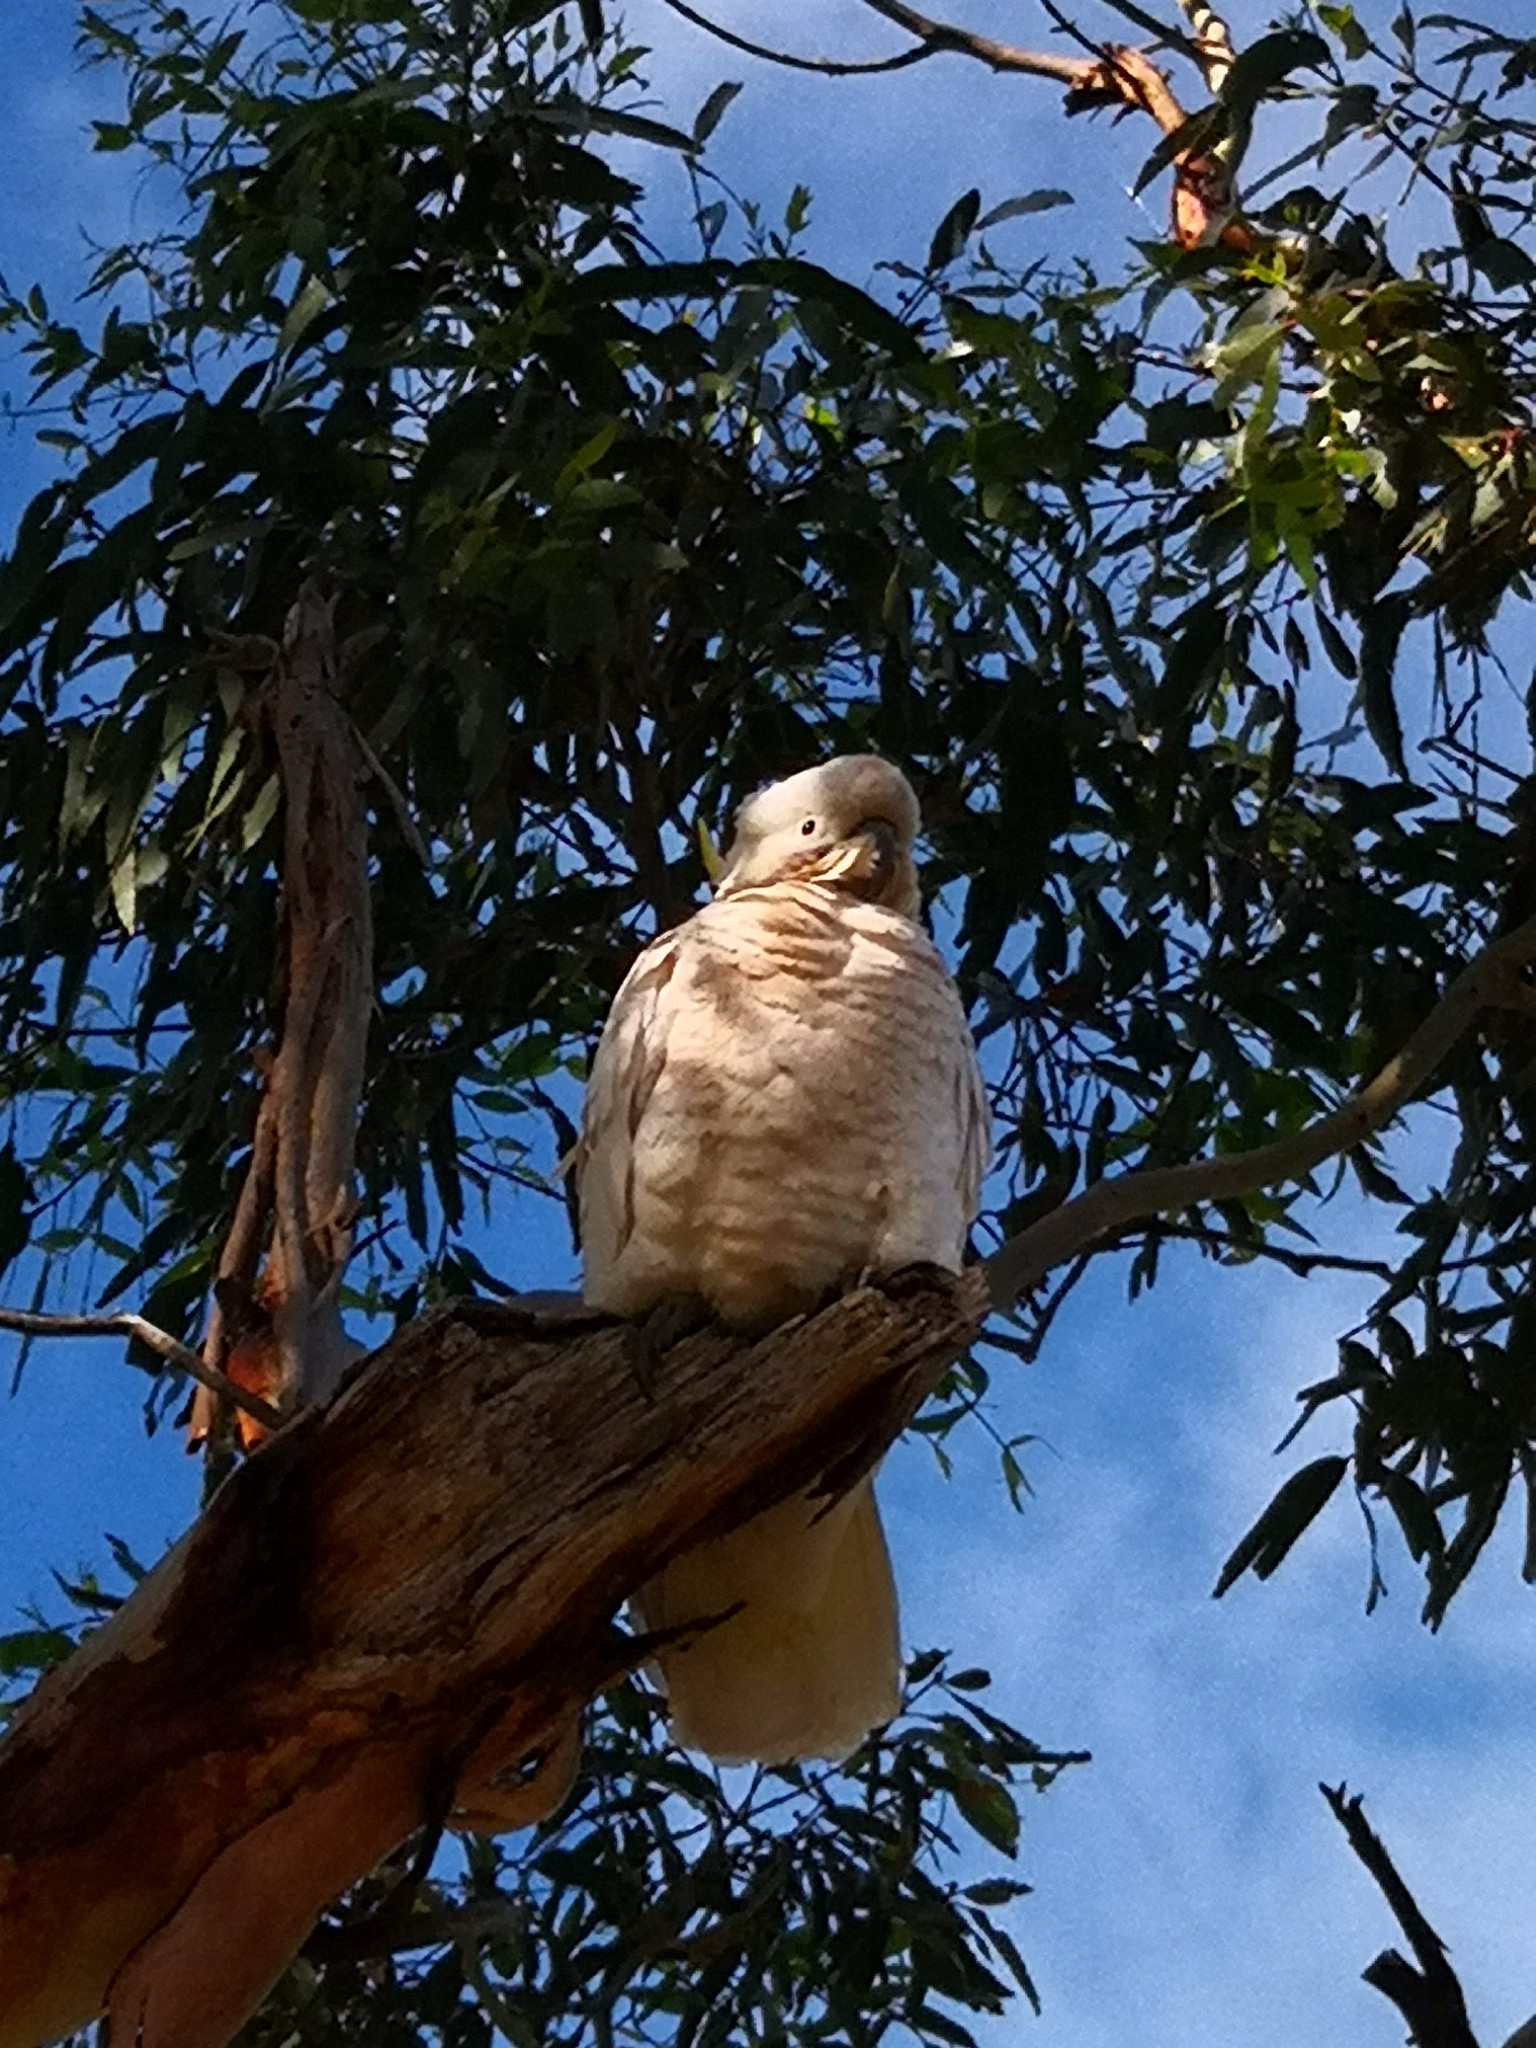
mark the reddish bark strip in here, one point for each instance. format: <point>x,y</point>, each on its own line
<point>278,1335</point>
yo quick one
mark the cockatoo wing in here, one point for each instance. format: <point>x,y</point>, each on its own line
<point>628,1064</point>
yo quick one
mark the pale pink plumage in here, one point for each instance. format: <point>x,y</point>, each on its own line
<point>785,1098</point>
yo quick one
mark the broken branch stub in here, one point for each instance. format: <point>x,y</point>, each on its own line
<point>1427,1992</point>
<point>404,1597</point>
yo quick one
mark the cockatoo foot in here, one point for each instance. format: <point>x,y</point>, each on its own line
<point>909,1277</point>
<point>668,1323</point>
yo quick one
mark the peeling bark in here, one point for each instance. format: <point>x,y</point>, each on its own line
<point>407,1595</point>
<point>279,1335</point>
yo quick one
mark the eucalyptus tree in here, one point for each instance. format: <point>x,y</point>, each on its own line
<point>1187,593</point>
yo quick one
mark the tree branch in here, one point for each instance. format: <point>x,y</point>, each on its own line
<point>831,67</point>
<point>316,1081</point>
<point>390,1611</point>
<point>1239,1250</point>
<point>1080,74</point>
<point>125,1324</point>
<point>1491,979</point>
<point>426,1921</point>
<point>1430,1997</point>
<point>1164,35</point>
<point>1109,75</point>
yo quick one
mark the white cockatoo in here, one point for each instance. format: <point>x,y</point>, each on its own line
<point>785,1099</point>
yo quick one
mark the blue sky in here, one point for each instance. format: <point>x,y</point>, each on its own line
<point>1191,1886</point>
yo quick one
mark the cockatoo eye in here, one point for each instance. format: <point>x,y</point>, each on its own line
<point>807,828</point>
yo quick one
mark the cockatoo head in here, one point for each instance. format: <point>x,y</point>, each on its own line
<point>849,823</point>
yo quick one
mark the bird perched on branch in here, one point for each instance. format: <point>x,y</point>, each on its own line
<point>785,1099</point>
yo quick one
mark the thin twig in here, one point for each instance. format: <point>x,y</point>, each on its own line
<point>125,1324</point>
<point>1490,978</point>
<point>409,830</point>
<point>1029,1347</point>
<point>831,67</point>
<point>1303,1263</point>
<point>429,1922</point>
<point>1164,34</point>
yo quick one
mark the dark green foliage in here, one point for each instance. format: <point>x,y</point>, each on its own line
<point>797,1906</point>
<point>1298,1504</point>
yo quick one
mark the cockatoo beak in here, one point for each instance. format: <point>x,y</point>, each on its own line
<point>873,867</point>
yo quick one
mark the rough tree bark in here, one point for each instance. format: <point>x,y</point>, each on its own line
<point>406,1596</point>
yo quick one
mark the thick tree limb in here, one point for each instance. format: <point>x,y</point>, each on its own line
<point>404,1597</point>
<point>1493,979</point>
<point>317,1077</point>
<point>1429,1997</point>
<point>123,1323</point>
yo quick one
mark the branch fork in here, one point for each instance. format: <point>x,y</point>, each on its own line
<point>1108,75</point>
